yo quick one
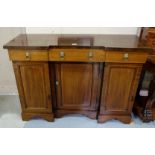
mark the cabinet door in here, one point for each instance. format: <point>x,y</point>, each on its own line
<point>34,86</point>
<point>119,88</point>
<point>77,86</point>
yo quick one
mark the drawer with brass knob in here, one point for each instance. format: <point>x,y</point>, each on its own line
<point>28,55</point>
<point>77,55</point>
<point>126,57</point>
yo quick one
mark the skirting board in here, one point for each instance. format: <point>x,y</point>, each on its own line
<point>8,90</point>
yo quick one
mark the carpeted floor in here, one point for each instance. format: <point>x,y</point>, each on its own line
<point>10,117</point>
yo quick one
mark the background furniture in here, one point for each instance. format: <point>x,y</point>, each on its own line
<point>93,75</point>
<point>144,106</point>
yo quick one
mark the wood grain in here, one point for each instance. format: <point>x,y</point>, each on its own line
<point>119,88</point>
<point>34,55</point>
<point>77,83</point>
<point>62,112</point>
<point>77,55</point>
<point>78,86</point>
<point>34,87</point>
<point>123,118</point>
<point>133,57</point>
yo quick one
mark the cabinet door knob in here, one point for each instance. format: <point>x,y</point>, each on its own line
<point>27,55</point>
<point>57,83</point>
<point>126,56</point>
<point>90,55</point>
<point>62,55</point>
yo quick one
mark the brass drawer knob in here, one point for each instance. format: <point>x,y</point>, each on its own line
<point>90,55</point>
<point>126,56</point>
<point>27,55</point>
<point>62,55</point>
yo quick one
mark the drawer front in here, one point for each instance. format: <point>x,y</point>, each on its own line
<point>77,55</point>
<point>126,57</point>
<point>33,55</point>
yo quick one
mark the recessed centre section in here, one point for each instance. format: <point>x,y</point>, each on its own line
<point>78,41</point>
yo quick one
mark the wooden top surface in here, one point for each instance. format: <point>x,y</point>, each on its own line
<point>107,42</point>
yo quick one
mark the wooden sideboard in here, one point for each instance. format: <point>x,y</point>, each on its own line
<point>93,75</point>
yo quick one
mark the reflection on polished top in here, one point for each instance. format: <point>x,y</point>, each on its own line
<point>107,42</point>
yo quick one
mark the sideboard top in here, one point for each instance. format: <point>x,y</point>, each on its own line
<point>46,41</point>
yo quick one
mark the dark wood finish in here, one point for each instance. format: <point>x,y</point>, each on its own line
<point>106,42</point>
<point>132,57</point>
<point>34,89</point>
<point>78,87</point>
<point>123,118</point>
<point>77,55</point>
<point>27,116</point>
<point>89,113</point>
<point>148,37</point>
<point>64,74</point>
<point>119,90</point>
<point>151,37</point>
<point>25,55</point>
<point>144,106</point>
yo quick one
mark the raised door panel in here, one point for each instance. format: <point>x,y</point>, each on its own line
<point>76,85</point>
<point>34,86</point>
<point>119,88</point>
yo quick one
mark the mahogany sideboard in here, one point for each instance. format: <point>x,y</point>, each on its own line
<point>93,75</point>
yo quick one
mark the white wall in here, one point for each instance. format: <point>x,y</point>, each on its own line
<point>83,30</point>
<point>7,79</point>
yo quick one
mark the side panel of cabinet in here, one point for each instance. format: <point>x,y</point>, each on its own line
<point>33,86</point>
<point>119,88</point>
<point>78,86</point>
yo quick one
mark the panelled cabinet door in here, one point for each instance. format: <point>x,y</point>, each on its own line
<point>34,86</point>
<point>77,86</point>
<point>119,88</point>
